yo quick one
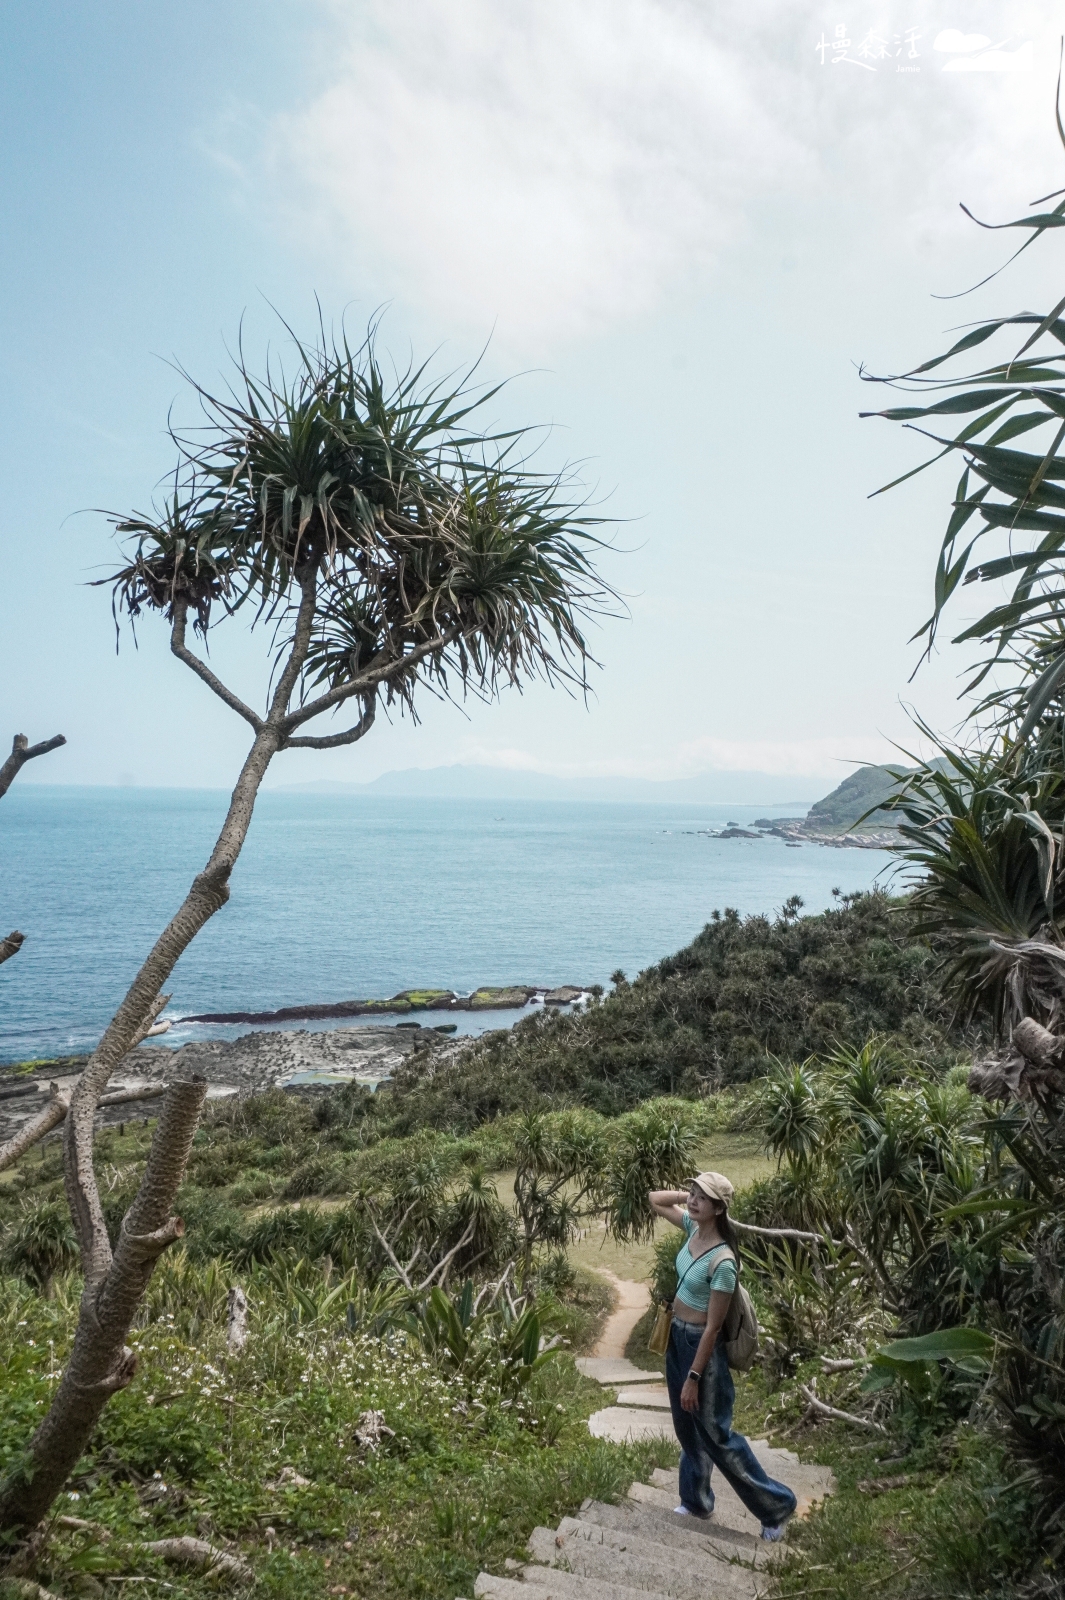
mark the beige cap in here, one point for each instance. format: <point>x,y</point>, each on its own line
<point>715,1186</point>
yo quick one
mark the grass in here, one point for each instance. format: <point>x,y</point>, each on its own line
<point>950,1530</point>
<point>454,1489</point>
<point>466,1475</point>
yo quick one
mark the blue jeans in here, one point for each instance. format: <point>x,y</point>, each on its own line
<point>707,1440</point>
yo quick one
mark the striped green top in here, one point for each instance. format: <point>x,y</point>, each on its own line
<point>700,1279</point>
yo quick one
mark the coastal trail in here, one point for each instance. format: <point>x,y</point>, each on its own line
<point>641,1547</point>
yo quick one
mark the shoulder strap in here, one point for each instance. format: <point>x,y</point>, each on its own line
<point>713,1248</point>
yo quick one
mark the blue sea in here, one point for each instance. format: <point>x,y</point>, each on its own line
<point>338,897</point>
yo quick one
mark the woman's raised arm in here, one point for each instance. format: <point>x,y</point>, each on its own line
<point>667,1203</point>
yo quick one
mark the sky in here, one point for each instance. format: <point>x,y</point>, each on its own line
<point>679,229</point>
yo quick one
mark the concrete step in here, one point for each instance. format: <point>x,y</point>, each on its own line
<point>604,1552</point>
<point>557,1586</point>
<point>678,1533</point>
<point>612,1370</point>
<point>655,1395</point>
<point>543,1581</point>
<point>625,1424</point>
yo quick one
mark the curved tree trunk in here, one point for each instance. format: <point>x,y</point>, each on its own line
<point>100,1362</point>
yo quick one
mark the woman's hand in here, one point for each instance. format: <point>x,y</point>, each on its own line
<point>689,1395</point>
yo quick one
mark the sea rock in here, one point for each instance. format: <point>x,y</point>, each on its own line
<point>562,997</point>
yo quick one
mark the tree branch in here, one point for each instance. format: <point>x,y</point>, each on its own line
<point>824,1410</point>
<point>180,649</point>
<point>35,1129</point>
<point>782,1233</point>
<point>201,1557</point>
<point>370,679</point>
<point>11,945</point>
<point>21,752</point>
<point>350,736</point>
<point>392,1256</point>
<point>55,1111</point>
<point>83,1195</point>
<point>452,1253</point>
<point>301,644</point>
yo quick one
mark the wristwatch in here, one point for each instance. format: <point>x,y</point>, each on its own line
<point>696,1376</point>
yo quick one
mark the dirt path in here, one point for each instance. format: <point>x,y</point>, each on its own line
<point>633,1300</point>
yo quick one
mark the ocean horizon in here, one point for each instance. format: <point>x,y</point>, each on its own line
<point>353,896</point>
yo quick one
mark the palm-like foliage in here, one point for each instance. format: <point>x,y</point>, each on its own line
<point>983,835</point>
<point>425,529</point>
<point>40,1243</point>
<point>1008,491</point>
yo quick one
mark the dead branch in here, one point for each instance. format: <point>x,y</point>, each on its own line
<point>443,1265</point>
<point>79,1525</point>
<point>494,1290</point>
<point>841,1366</point>
<point>201,1557</point>
<point>21,752</point>
<point>783,1233</point>
<point>834,1412</point>
<point>54,1113</point>
<point>144,1091</point>
<point>394,1258</point>
<point>36,1128</point>
<point>11,945</point>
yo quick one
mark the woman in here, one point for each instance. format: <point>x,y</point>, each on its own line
<point>701,1392</point>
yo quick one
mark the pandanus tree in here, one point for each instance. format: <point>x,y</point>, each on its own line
<point>390,546</point>
<point>984,828</point>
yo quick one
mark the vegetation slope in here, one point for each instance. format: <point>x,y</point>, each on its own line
<point>702,1019</point>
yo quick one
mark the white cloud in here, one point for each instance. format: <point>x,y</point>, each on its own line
<point>820,757</point>
<point>554,165</point>
<point>555,170</point>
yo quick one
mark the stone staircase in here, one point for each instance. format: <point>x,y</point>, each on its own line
<point>641,1547</point>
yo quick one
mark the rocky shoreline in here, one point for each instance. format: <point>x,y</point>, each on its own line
<point>509,998</point>
<point>796,832</point>
<point>297,1061</point>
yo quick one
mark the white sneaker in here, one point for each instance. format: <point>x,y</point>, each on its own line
<point>681,1511</point>
<point>772,1535</point>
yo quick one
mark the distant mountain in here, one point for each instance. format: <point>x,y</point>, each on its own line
<point>863,790</point>
<point>501,783</point>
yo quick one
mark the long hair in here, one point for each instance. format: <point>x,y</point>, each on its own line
<point>728,1232</point>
